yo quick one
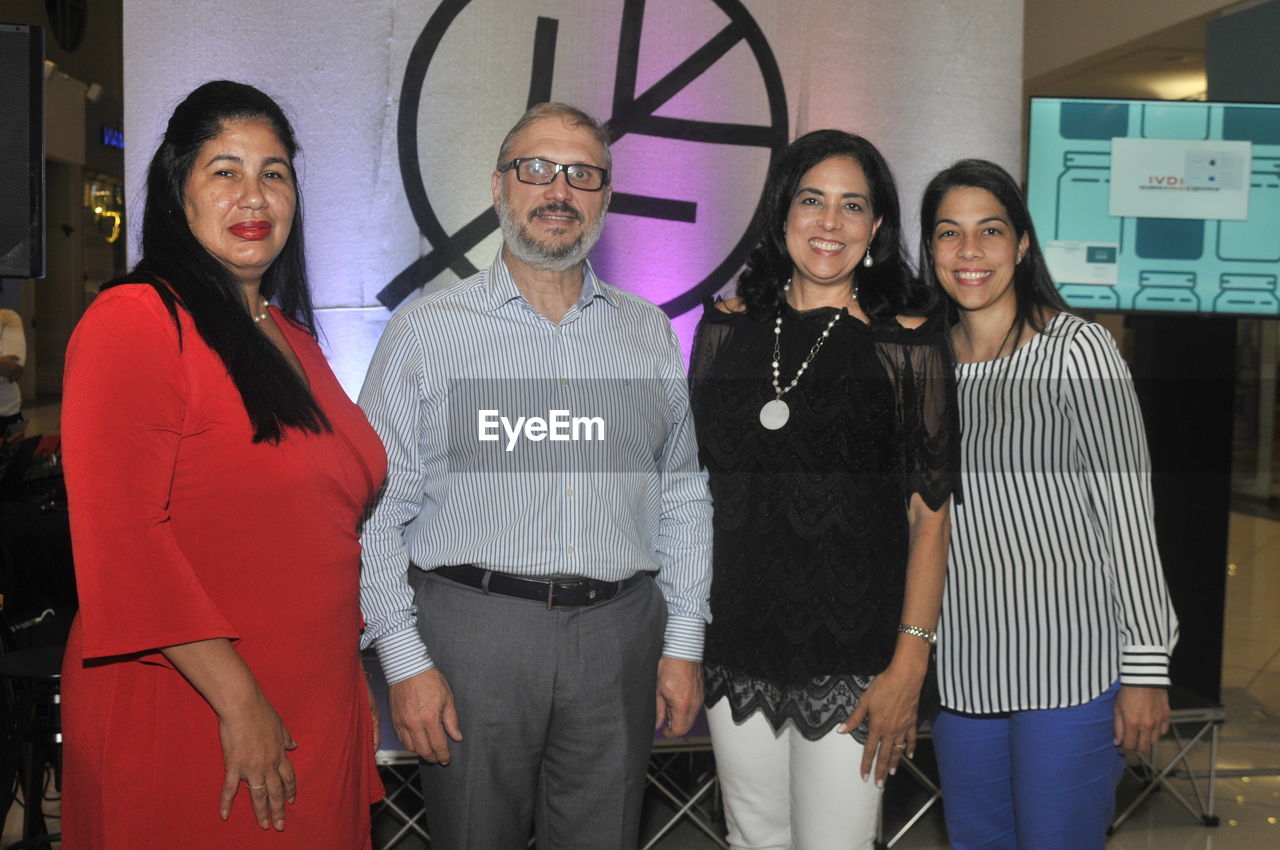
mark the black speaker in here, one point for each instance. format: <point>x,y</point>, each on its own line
<point>21,151</point>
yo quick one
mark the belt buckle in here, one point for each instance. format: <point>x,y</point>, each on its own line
<point>565,584</point>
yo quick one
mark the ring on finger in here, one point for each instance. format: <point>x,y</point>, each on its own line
<point>255,787</point>
<point>899,746</point>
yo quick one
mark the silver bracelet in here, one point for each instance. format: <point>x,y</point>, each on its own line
<point>925,635</point>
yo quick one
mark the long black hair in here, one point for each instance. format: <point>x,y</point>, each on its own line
<point>185,274</point>
<point>885,289</point>
<point>1034,292</point>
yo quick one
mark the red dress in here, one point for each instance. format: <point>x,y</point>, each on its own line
<point>185,529</point>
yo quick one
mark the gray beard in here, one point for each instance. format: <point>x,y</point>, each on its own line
<point>520,242</point>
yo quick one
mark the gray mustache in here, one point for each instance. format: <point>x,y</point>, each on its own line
<point>557,207</point>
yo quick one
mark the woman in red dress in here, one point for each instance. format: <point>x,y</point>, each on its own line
<point>217,473</point>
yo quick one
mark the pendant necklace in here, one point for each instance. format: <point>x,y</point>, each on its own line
<point>775,413</point>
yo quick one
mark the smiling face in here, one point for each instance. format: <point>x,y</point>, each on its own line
<point>240,197</point>
<point>830,223</point>
<point>551,226</point>
<point>975,250</point>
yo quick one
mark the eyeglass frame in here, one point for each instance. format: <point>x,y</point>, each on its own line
<point>514,165</point>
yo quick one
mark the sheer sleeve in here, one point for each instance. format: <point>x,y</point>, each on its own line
<point>921,367</point>
<point>709,339</point>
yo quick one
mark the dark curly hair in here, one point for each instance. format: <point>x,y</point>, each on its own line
<point>888,287</point>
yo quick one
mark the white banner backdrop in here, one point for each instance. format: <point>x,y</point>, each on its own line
<point>400,106</point>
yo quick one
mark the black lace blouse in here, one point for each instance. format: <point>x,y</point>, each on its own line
<point>811,531</point>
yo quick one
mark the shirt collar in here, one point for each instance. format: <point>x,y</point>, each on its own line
<point>502,286</point>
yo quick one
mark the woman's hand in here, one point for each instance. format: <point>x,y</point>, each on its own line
<point>1141,717</point>
<point>377,715</point>
<point>889,706</point>
<point>253,738</point>
<point>254,744</point>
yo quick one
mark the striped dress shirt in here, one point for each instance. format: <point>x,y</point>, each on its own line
<point>617,492</point>
<point>1054,587</point>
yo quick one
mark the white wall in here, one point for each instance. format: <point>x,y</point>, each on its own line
<point>927,82</point>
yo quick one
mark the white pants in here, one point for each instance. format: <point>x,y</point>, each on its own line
<point>785,792</point>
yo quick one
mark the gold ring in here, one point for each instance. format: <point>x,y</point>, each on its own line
<point>255,787</point>
<point>899,746</point>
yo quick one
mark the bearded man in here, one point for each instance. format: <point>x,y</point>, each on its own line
<point>529,584</point>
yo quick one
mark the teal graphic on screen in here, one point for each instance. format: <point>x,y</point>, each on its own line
<point>1175,264</point>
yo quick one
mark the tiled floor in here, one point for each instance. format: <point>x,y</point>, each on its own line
<point>1248,788</point>
<point>1251,656</point>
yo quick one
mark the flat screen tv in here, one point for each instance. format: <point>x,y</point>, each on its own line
<point>1159,206</point>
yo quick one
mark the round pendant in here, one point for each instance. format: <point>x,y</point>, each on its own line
<point>775,414</point>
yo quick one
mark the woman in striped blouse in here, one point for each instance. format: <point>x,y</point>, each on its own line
<point>1056,629</point>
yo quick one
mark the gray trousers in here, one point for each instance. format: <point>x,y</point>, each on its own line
<point>556,710</point>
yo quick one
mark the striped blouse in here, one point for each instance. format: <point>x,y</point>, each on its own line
<point>1054,586</point>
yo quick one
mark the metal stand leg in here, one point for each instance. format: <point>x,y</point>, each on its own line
<point>935,796</point>
<point>408,815</point>
<point>1160,779</point>
<point>686,795</point>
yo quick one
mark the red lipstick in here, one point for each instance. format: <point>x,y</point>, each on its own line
<point>251,231</point>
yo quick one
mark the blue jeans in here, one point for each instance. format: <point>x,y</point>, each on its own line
<point>1034,780</point>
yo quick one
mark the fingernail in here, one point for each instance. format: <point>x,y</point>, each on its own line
<point>880,783</point>
<point>280,826</point>
<point>864,777</point>
<point>893,771</point>
<point>292,800</point>
<point>263,823</point>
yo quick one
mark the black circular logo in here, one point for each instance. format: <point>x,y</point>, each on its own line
<point>634,112</point>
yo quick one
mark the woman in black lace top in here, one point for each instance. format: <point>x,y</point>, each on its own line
<point>826,421</point>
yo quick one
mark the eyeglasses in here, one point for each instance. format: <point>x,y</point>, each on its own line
<point>540,172</point>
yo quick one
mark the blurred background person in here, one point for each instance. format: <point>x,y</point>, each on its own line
<point>13,357</point>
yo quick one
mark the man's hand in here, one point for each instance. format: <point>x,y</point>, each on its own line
<point>679,695</point>
<point>423,715</point>
<point>1141,717</point>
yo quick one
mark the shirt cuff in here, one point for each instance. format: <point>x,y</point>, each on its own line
<point>683,638</point>
<point>1145,666</point>
<point>402,655</point>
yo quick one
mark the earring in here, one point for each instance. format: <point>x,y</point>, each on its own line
<point>867,261</point>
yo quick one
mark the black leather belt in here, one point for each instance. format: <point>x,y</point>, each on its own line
<point>557,593</point>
